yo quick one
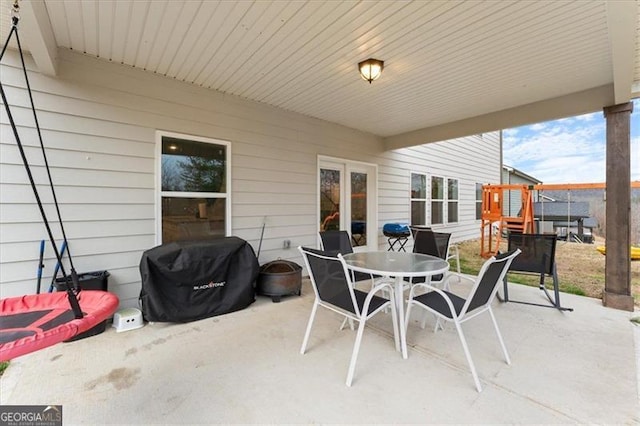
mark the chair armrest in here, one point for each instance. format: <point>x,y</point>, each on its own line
<point>456,255</point>
<point>451,276</point>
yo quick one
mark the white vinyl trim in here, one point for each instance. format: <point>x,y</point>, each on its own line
<point>158,179</point>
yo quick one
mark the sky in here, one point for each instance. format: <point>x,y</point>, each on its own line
<point>569,150</point>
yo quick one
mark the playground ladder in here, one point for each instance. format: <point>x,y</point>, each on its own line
<point>494,223</point>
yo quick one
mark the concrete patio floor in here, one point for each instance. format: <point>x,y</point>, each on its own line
<point>245,367</point>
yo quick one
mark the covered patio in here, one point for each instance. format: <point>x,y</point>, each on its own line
<point>245,367</point>
<point>275,77</point>
<point>278,80</point>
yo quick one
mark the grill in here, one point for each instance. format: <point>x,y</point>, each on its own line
<point>397,234</point>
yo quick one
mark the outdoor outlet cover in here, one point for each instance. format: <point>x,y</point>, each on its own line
<point>287,244</point>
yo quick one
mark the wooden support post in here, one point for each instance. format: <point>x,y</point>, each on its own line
<point>617,291</point>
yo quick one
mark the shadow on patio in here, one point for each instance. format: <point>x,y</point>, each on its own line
<point>245,367</point>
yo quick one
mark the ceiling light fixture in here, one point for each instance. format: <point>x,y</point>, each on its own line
<point>370,69</point>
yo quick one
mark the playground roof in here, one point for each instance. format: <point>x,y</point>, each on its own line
<point>450,68</point>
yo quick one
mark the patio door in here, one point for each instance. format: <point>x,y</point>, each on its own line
<point>347,200</point>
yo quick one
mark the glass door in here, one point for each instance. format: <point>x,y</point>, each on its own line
<point>347,201</point>
<point>358,206</point>
<point>331,196</point>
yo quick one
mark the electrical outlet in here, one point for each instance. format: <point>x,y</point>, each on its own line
<point>286,244</point>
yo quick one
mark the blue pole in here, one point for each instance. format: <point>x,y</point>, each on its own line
<point>40,266</point>
<point>55,271</point>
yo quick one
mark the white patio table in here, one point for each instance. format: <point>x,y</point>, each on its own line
<point>397,265</point>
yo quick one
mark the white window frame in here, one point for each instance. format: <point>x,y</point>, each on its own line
<point>158,174</point>
<point>426,200</point>
<point>478,201</point>
<point>441,200</point>
<point>450,200</point>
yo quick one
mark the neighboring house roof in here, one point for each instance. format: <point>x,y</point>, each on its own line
<point>561,210</point>
<point>520,174</point>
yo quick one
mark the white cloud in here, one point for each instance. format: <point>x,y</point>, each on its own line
<point>570,169</point>
<point>561,151</point>
<point>569,150</point>
<point>589,117</point>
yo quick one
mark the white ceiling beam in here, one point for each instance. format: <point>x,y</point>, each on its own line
<point>37,35</point>
<point>577,103</point>
<point>621,20</point>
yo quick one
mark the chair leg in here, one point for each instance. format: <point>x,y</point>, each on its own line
<point>504,348</point>
<point>356,349</point>
<point>423,323</point>
<point>438,325</point>
<point>406,317</point>
<point>344,322</point>
<point>468,355</point>
<point>309,324</point>
<point>396,330</point>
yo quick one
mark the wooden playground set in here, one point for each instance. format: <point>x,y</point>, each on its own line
<point>495,223</point>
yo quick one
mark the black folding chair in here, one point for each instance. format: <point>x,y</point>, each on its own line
<point>537,258</point>
<point>433,244</point>
<point>336,241</point>
<point>339,242</point>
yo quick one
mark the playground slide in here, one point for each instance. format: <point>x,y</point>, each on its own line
<point>635,252</point>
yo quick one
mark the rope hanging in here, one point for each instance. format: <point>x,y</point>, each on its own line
<point>541,194</point>
<point>568,214</point>
<point>71,290</point>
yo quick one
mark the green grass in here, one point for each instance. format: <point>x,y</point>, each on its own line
<point>472,267</point>
<point>572,289</point>
<point>3,366</point>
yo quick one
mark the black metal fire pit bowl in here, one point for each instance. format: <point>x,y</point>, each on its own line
<point>279,278</point>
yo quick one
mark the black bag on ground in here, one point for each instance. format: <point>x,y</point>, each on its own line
<point>190,280</point>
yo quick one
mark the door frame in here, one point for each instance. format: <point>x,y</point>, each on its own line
<point>347,166</point>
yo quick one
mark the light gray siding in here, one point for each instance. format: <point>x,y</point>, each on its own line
<point>512,201</point>
<point>99,122</point>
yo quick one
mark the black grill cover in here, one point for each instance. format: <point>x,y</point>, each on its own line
<point>190,280</point>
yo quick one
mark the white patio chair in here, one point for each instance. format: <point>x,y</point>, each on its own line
<point>448,250</point>
<point>433,244</point>
<point>450,307</point>
<point>340,242</point>
<point>334,290</point>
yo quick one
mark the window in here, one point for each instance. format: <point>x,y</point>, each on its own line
<point>418,199</point>
<point>452,200</point>
<point>478,201</point>
<point>194,182</point>
<point>437,200</point>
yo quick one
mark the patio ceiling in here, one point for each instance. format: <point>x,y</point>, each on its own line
<point>451,68</point>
